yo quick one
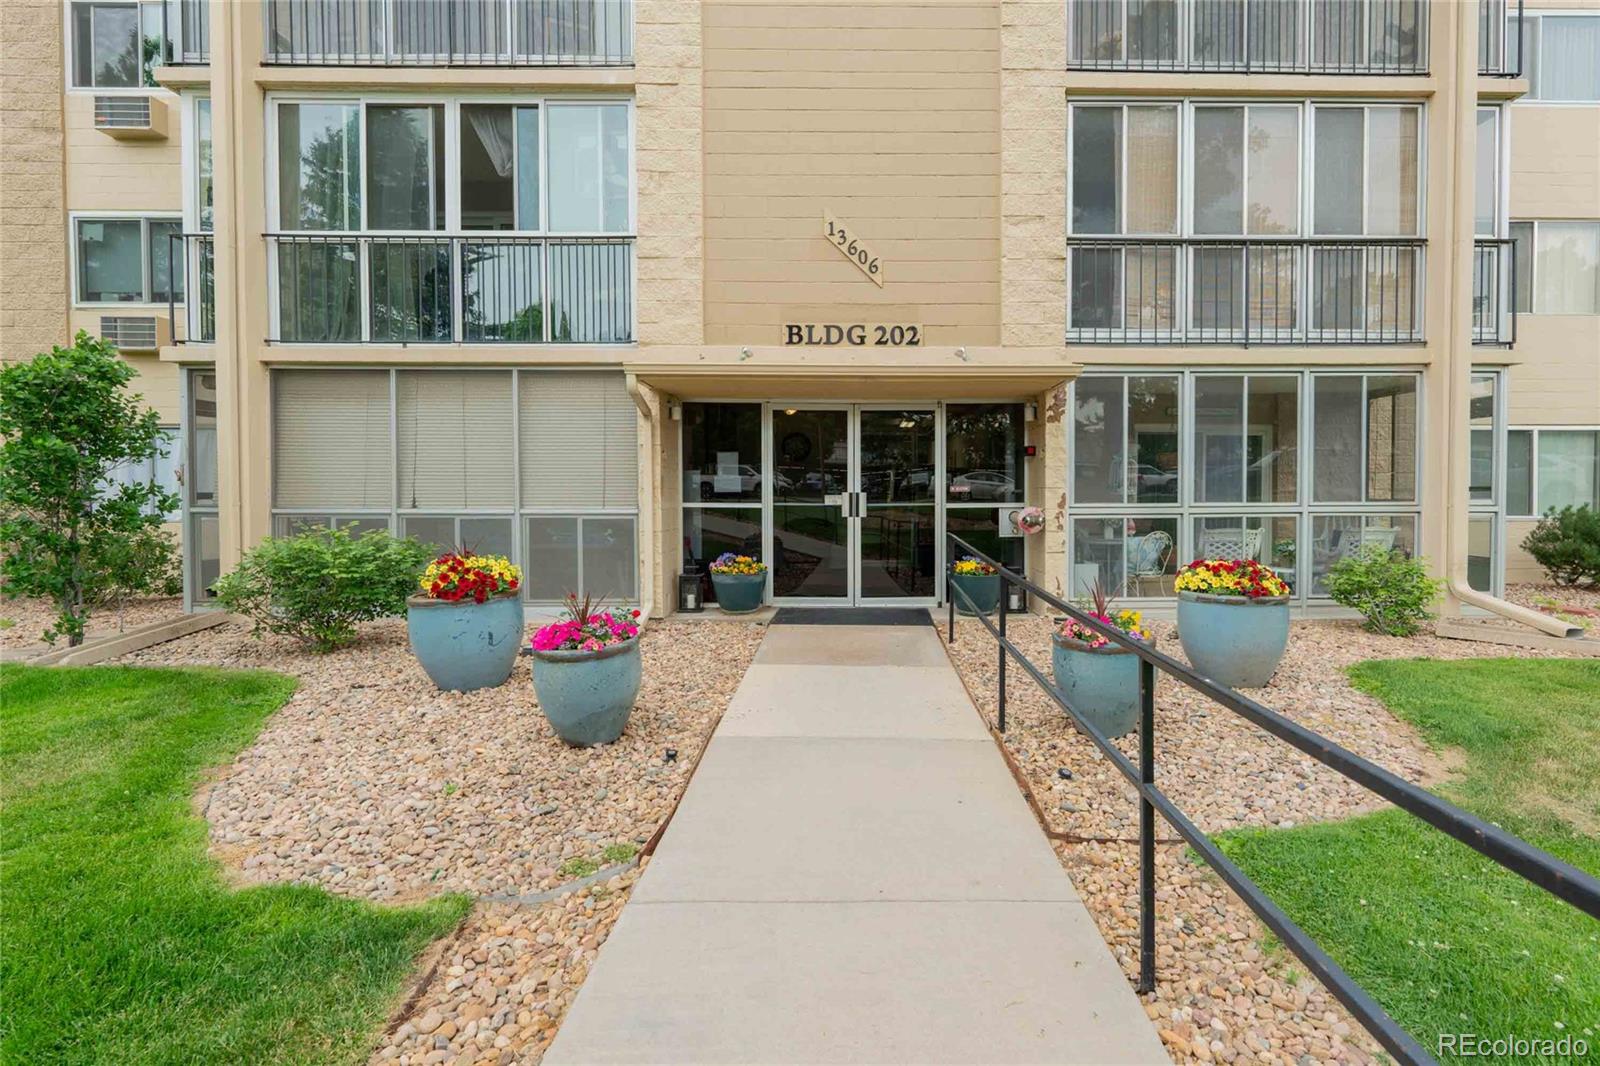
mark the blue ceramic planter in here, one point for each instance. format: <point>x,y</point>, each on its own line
<point>587,695</point>
<point>1102,684</point>
<point>983,588</point>
<point>740,593</point>
<point>1233,640</point>
<point>465,645</point>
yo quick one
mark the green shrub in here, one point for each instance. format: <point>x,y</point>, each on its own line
<point>318,585</point>
<point>1393,592</point>
<point>1567,544</point>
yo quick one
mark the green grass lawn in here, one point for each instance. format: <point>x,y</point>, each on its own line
<point>119,940</point>
<point>1446,940</point>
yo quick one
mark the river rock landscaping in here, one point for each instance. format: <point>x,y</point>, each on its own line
<point>371,782</point>
<point>1223,994</point>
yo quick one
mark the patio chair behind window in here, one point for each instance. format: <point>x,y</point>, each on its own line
<point>1232,543</point>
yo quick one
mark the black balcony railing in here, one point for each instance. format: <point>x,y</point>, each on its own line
<point>1243,291</point>
<point>1500,38</point>
<point>1494,287</point>
<point>1539,868</point>
<point>450,32</point>
<point>434,289</point>
<point>1249,36</point>
<point>192,287</point>
<point>186,25</point>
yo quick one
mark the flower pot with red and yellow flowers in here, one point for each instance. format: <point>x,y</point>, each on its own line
<point>1233,620</point>
<point>466,626</point>
<point>981,583</point>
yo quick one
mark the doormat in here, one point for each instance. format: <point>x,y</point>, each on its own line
<point>852,616</point>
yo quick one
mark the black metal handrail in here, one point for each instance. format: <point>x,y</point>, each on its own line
<point>1363,37</point>
<point>1499,56</point>
<point>186,29</point>
<point>192,265</point>
<point>449,33</point>
<point>1245,290</point>
<point>1494,292</point>
<point>442,288</point>
<point>1536,866</point>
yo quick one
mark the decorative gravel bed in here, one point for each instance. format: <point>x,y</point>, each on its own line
<point>29,619</point>
<point>371,782</point>
<point>1220,996</point>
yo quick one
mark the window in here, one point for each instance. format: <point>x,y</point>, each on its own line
<point>436,453</point>
<point>116,45</point>
<point>1273,172</point>
<point>1559,57</point>
<point>1364,437</point>
<point>161,468</point>
<point>502,238</point>
<point>1557,266</point>
<point>589,168</point>
<point>204,183</point>
<point>202,533</point>
<point>126,260</point>
<point>1551,468</point>
<point>1486,214</point>
<point>1483,408</point>
<point>723,479</point>
<point>1169,467</point>
<point>319,166</point>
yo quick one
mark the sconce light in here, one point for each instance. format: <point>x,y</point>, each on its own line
<point>1030,412</point>
<point>675,410</point>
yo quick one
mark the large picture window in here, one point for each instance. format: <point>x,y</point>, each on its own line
<point>416,222</point>
<point>1170,467</point>
<point>477,459</point>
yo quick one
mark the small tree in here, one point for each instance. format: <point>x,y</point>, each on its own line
<point>1567,544</point>
<point>1392,591</point>
<point>67,419</point>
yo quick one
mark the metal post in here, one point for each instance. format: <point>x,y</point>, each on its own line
<point>1147,828</point>
<point>1005,594</point>
<point>950,602</point>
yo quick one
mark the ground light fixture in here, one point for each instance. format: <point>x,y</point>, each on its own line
<point>671,755</point>
<point>689,598</point>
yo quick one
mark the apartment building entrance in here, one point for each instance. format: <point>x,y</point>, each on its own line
<point>855,511</point>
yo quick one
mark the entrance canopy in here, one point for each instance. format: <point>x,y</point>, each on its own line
<point>842,373</point>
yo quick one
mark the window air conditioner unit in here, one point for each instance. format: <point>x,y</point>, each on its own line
<point>131,118</point>
<point>136,333</point>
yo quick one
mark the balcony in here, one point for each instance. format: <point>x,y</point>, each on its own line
<point>1249,36</point>
<point>1233,291</point>
<point>450,33</point>
<point>1494,281</point>
<point>186,25</point>
<point>442,289</point>
<point>1499,39</point>
<point>195,291</point>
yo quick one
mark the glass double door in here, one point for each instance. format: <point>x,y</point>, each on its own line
<point>855,509</point>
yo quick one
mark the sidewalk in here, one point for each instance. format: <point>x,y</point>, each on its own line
<point>854,877</point>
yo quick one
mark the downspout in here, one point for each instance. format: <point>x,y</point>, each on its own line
<point>1463,174</point>
<point>649,499</point>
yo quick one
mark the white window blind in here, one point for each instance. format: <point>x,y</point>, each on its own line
<point>331,439</point>
<point>453,429</point>
<point>579,441</point>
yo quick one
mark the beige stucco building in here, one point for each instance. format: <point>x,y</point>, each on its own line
<point>613,286</point>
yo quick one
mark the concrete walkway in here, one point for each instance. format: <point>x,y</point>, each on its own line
<point>853,877</point>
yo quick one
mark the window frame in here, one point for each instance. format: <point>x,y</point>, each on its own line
<point>517,512</point>
<point>1532,268</point>
<point>452,104</point>
<point>146,247</point>
<point>1534,432</point>
<point>170,44</point>
<point>1187,508</point>
<point>1532,26</point>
